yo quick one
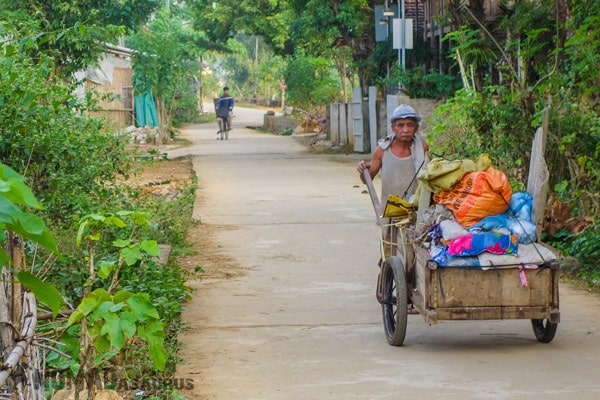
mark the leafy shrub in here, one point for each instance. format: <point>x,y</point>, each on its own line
<point>66,158</point>
<point>452,132</point>
<point>417,83</point>
<point>130,305</point>
<point>472,123</point>
<point>286,131</point>
<point>72,164</point>
<point>185,106</point>
<point>310,81</point>
<point>573,156</point>
<point>585,247</point>
<point>170,222</point>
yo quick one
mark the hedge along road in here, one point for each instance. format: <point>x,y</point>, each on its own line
<point>302,321</point>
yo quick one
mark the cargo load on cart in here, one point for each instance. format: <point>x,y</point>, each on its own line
<point>468,248</point>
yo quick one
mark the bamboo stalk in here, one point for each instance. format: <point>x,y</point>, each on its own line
<point>29,322</point>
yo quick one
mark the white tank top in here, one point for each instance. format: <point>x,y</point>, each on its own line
<point>396,176</point>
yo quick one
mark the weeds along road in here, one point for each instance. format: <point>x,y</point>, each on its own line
<point>301,321</point>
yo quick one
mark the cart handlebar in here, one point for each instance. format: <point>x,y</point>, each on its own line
<point>373,194</point>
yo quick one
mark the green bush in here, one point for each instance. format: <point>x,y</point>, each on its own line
<point>573,156</point>
<point>472,123</point>
<point>171,221</point>
<point>117,256</point>
<point>585,247</point>
<point>310,81</point>
<point>185,108</point>
<point>417,83</point>
<point>64,155</point>
<point>73,166</point>
<point>286,131</point>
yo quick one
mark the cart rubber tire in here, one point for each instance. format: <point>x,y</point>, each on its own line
<point>395,300</point>
<point>543,329</point>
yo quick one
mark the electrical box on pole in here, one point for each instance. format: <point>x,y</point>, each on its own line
<point>381,25</point>
<point>408,33</point>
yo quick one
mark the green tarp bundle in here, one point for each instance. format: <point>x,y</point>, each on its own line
<point>145,111</point>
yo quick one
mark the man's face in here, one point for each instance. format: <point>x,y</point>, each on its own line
<point>405,129</point>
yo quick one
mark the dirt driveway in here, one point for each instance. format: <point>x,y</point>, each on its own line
<point>286,309</point>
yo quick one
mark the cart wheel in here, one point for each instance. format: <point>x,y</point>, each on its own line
<point>222,134</point>
<point>227,134</point>
<point>394,302</point>
<point>544,330</point>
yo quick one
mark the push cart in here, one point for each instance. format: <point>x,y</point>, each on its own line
<point>408,274</point>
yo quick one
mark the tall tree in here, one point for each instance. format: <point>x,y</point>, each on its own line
<point>340,30</point>
<point>74,33</point>
<point>166,59</point>
<point>223,20</point>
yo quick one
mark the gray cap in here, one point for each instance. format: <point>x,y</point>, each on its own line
<point>404,111</point>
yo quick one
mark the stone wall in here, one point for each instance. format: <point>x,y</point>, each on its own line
<point>274,123</point>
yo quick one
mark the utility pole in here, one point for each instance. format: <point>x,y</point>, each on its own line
<point>256,66</point>
<point>402,12</point>
<point>256,51</point>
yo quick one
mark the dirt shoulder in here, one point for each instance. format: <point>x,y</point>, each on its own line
<point>165,179</point>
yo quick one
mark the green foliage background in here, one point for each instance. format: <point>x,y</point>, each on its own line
<point>558,73</point>
<point>66,157</point>
<point>73,164</point>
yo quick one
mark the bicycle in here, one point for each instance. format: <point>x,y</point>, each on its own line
<point>223,109</point>
<point>224,127</point>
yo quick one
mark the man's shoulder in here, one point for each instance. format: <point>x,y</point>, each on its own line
<point>384,143</point>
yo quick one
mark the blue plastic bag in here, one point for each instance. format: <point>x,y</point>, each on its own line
<point>517,220</point>
<point>521,204</point>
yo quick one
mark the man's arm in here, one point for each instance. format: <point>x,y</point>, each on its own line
<point>374,166</point>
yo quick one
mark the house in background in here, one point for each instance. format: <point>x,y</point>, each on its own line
<point>434,11</point>
<point>429,19</point>
<point>112,83</point>
<point>112,80</point>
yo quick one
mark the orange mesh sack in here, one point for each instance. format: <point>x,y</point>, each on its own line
<point>476,196</point>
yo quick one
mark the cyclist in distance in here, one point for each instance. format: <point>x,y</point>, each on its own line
<point>224,108</point>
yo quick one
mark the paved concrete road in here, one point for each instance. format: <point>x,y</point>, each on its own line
<point>303,322</point>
